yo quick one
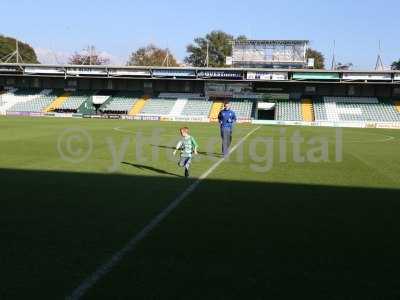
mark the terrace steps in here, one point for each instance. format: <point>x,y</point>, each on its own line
<point>138,106</point>
<point>397,105</point>
<point>178,107</point>
<point>57,102</point>
<point>215,109</point>
<point>307,110</point>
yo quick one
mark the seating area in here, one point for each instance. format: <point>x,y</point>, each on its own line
<point>26,100</point>
<point>72,104</point>
<point>192,106</point>
<point>38,104</point>
<point>319,110</point>
<point>197,107</point>
<point>334,109</point>
<point>121,103</point>
<point>242,107</point>
<point>288,110</point>
<point>355,109</point>
<point>158,106</point>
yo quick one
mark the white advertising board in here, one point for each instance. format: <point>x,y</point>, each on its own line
<point>367,76</point>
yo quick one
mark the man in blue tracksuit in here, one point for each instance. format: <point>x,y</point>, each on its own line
<point>227,119</point>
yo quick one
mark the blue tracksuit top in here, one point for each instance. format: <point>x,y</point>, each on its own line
<point>227,118</point>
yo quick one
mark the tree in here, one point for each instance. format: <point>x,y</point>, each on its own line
<point>219,46</point>
<point>396,65</point>
<point>8,47</point>
<point>88,57</point>
<point>319,59</point>
<point>343,67</point>
<point>151,55</point>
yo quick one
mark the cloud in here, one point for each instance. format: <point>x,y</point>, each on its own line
<point>51,57</point>
<point>114,60</point>
<point>47,56</point>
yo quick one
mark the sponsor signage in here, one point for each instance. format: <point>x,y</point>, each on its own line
<point>114,117</point>
<point>13,113</point>
<point>219,94</point>
<point>367,76</point>
<point>173,73</point>
<point>219,74</point>
<point>242,121</point>
<point>267,76</point>
<point>276,96</point>
<point>321,124</point>
<point>316,76</point>
<point>86,71</point>
<point>147,118</point>
<point>24,113</point>
<point>44,70</point>
<point>248,96</point>
<point>64,115</point>
<point>185,119</point>
<point>125,117</point>
<point>36,114</point>
<point>390,125</point>
<point>8,69</point>
<point>128,72</point>
<point>226,90</point>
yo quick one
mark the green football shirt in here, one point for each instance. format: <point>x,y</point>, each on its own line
<point>187,146</point>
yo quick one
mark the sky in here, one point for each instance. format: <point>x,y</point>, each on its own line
<point>58,28</point>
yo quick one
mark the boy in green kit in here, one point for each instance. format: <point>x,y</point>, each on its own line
<point>188,146</point>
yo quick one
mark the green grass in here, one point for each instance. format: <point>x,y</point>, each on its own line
<point>326,230</point>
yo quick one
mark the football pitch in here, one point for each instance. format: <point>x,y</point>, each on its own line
<point>99,209</point>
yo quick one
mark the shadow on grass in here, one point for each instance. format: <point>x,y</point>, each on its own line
<point>227,240</point>
<point>149,168</point>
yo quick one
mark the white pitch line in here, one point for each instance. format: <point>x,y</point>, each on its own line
<point>104,269</point>
<point>386,139</point>
<point>122,130</point>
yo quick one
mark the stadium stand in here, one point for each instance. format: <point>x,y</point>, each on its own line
<point>178,107</point>
<point>4,96</point>
<point>138,106</point>
<point>197,107</point>
<point>215,109</point>
<point>74,102</point>
<point>397,105</point>
<point>288,110</point>
<point>307,110</point>
<point>38,104</point>
<point>242,107</point>
<point>356,109</point>
<point>25,100</point>
<point>87,107</point>
<point>121,103</point>
<point>158,106</point>
<point>319,110</point>
<point>341,109</point>
<point>57,102</point>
